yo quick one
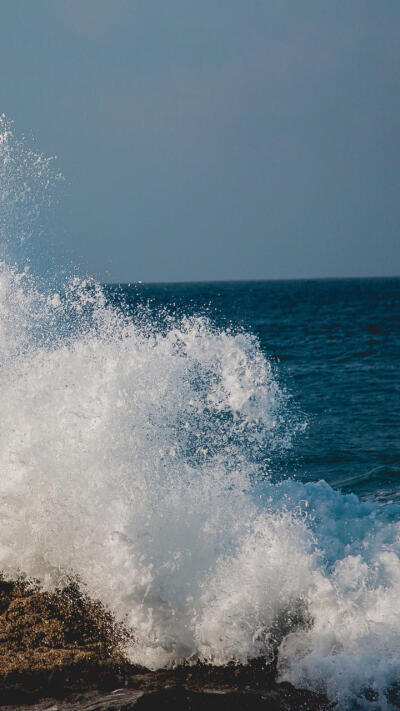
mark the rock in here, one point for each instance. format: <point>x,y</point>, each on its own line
<point>56,642</point>
<point>62,651</point>
<point>277,698</point>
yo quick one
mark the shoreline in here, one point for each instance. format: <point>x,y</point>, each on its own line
<point>63,651</point>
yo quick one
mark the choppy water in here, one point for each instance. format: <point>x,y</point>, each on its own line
<point>336,344</point>
<point>196,454</point>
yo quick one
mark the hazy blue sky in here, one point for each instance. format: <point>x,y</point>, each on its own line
<point>215,139</point>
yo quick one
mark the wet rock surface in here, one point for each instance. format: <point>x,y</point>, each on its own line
<point>188,697</point>
<point>61,651</point>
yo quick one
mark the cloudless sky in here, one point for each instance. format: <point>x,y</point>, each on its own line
<point>215,139</point>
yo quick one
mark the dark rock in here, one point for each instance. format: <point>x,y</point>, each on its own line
<point>276,698</point>
<point>61,651</point>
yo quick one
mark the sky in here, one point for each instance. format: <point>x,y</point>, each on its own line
<point>214,139</point>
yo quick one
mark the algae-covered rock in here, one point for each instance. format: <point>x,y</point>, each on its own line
<point>56,641</point>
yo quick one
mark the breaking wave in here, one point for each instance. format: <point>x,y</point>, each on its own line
<point>138,453</point>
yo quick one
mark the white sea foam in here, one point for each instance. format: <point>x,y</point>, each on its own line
<point>135,455</point>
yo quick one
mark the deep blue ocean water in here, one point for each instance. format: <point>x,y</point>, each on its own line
<point>336,346</point>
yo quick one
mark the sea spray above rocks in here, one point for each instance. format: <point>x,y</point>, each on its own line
<point>132,454</point>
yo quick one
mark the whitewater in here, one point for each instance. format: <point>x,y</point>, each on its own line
<point>137,453</point>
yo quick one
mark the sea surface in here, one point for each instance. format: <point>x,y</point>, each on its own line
<point>335,345</point>
<point>217,463</point>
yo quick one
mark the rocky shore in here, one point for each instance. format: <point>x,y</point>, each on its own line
<point>62,651</point>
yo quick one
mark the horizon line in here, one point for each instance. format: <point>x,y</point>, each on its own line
<point>246,281</point>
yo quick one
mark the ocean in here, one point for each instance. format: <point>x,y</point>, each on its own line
<point>218,463</point>
<point>335,347</point>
